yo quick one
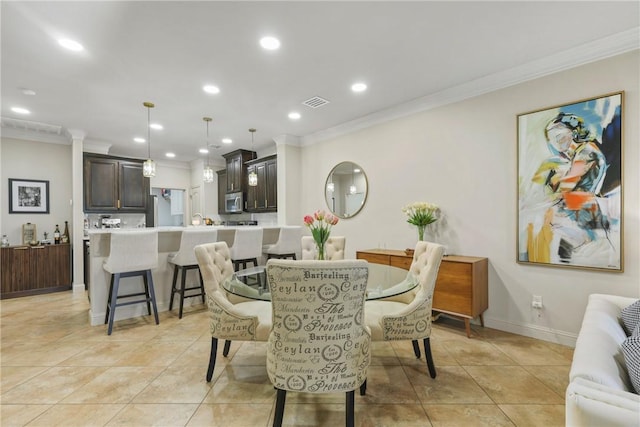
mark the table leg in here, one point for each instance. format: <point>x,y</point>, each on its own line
<point>467,326</point>
<point>481,320</point>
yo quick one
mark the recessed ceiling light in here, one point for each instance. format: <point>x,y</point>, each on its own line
<point>356,170</point>
<point>203,151</point>
<point>227,140</point>
<point>156,126</point>
<point>170,155</point>
<point>71,45</point>
<point>20,110</point>
<point>294,115</point>
<point>140,140</point>
<point>211,89</point>
<point>28,92</point>
<point>358,87</point>
<point>270,43</point>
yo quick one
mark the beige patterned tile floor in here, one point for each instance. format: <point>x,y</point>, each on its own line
<point>56,370</point>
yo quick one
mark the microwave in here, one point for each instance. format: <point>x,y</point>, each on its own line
<point>233,202</point>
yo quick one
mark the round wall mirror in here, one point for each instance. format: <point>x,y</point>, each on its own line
<point>346,189</point>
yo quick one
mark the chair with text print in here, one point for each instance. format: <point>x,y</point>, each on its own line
<point>408,316</point>
<point>244,321</point>
<point>318,343</point>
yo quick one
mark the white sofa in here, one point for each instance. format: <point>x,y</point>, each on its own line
<point>599,392</point>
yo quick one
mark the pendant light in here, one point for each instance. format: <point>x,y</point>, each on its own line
<point>207,173</point>
<point>253,176</point>
<point>149,166</point>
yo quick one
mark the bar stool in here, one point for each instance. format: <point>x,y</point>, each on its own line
<point>247,247</point>
<point>185,260</point>
<point>287,245</point>
<point>132,253</point>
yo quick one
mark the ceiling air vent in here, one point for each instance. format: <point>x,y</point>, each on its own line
<point>315,102</point>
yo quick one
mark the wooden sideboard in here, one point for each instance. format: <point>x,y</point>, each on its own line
<point>461,287</point>
<point>31,270</point>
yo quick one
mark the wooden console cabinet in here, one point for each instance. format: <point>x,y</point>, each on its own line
<point>31,270</point>
<point>461,287</point>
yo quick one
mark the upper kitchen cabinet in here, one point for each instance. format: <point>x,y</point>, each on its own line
<point>264,196</point>
<point>236,169</point>
<point>114,184</point>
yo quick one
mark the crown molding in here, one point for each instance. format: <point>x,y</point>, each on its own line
<point>596,50</point>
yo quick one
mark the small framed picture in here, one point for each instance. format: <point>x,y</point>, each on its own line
<point>28,196</point>
<point>29,233</point>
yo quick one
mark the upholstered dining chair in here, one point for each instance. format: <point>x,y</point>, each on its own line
<point>244,321</point>
<point>318,343</point>
<point>408,316</point>
<point>334,248</point>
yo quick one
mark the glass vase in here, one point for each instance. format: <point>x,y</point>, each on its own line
<point>421,229</point>
<point>320,251</point>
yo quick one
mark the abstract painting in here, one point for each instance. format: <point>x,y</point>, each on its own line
<point>570,185</point>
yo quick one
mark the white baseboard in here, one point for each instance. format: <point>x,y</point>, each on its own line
<point>138,310</point>
<point>78,287</point>
<point>533,331</point>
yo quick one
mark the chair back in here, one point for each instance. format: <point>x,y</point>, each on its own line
<point>334,248</point>
<point>318,343</point>
<point>226,321</point>
<point>288,240</point>
<point>192,237</point>
<point>214,261</point>
<point>427,257</point>
<point>247,243</point>
<point>132,250</point>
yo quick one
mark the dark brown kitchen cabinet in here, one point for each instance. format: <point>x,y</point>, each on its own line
<point>237,170</point>
<point>222,190</point>
<point>114,184</point>
<point>264,196</point>
<point>31,270</point>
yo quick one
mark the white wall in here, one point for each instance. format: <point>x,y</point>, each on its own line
<point>462,157</point>
<point>34,160</point>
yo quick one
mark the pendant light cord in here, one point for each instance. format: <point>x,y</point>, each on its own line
<point>149,132</point>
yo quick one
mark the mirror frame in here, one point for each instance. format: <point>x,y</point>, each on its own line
<point>330,179</point>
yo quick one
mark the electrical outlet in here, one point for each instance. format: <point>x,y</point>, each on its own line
<point>536,302</point>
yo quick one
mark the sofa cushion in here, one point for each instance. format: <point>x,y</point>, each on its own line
<point>631,317</point>
<point>631,351</point>
<point>597,356</point>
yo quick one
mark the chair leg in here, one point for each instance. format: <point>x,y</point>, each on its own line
<point>416,348</point>
<point>427,354</point>
<point>227,345</point>
<point>106,315</point>
<point>145,280</point>
<point>201,285</point>
<point>212,358</point>
<point>351,419</point>
<point>173,285</point>
<point>115,280</point>
<point>182,287</point>
<point>281,396</point>
<point>152,295</point>
<point>363,388</point>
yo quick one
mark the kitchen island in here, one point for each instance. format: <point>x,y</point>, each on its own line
<point>168,242</point>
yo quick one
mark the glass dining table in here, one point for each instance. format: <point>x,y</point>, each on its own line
<point>384,281</point>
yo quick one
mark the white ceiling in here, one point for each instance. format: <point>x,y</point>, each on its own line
<point>164,52</point>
